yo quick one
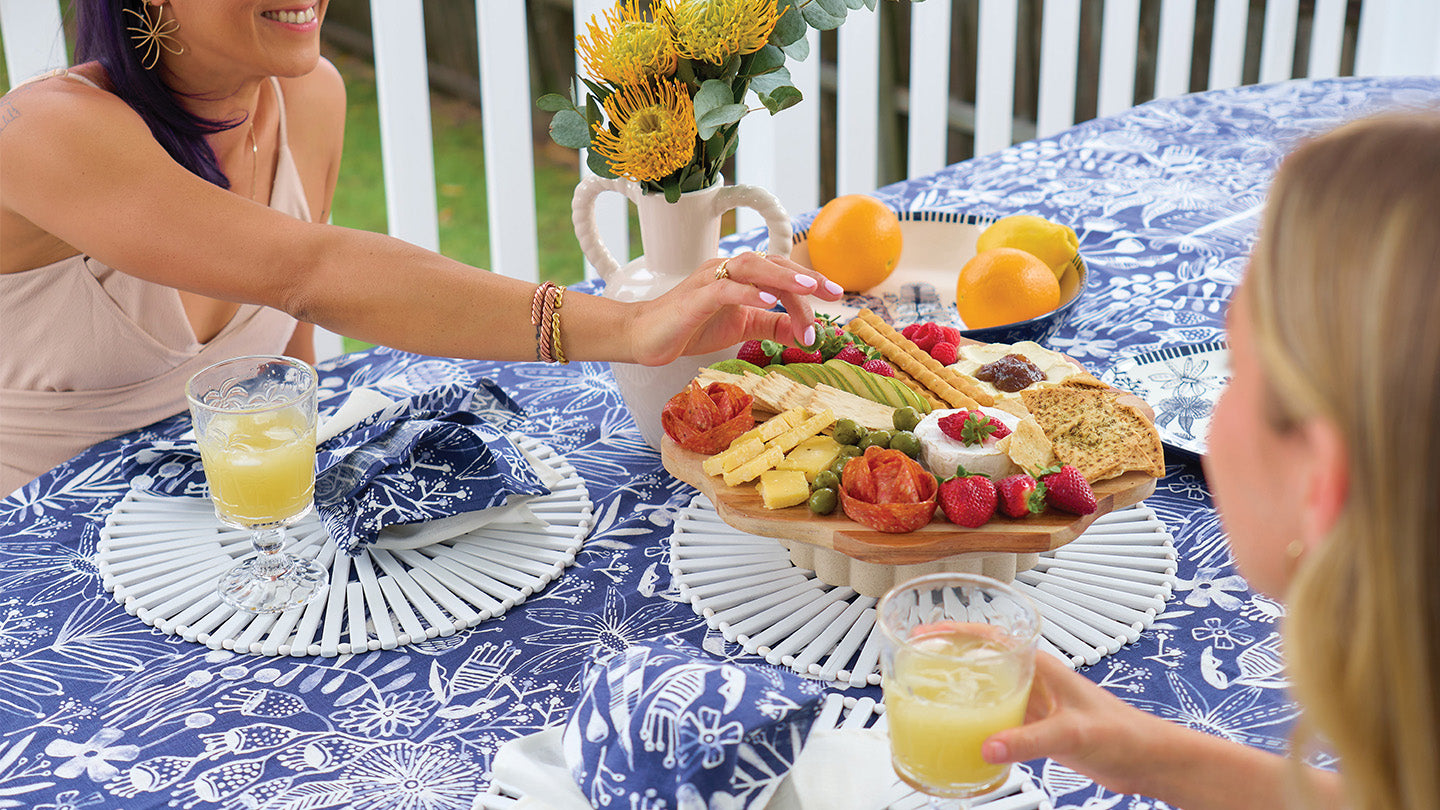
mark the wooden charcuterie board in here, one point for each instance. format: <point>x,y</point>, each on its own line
<point>741,508</point>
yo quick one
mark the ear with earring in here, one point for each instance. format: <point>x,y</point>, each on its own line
<point>153,34</point>
<point>1294,551</point>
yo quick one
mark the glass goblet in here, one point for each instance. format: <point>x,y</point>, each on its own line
<point>255,420</point>
<point>957,662</point>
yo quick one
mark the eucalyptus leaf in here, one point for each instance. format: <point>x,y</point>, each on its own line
<point>599,164</point>
<point>715,148</point>
<point>870,4</point>
<point>718,117</point>
<point>568,128</point>
<point>791,25</point>
<point>856,5</point>
<point>554,102</point>
<point>781,98</point>
<point>730,69</point>
<point>766,60</point>
<point>766,84</point>
<point>820,18</point>
<point>711,94</point>
<point>799,50</point>
<point>836,7</point>
<point>672,188</point>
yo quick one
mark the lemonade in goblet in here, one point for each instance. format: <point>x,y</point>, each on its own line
<point>255,421</point>
<point>957,662</point>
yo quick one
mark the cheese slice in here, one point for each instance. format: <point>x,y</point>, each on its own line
<point>751,469</point>
<point>741,450</point>
<point>786,441</point>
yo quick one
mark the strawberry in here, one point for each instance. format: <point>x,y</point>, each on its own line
<point>972,427</point>
<point>926,336</point>
<point>968,500</point>
<point>878,366</point>
<point>751,352</point>
<point>852,354</point>
<point>1067,490</point>
<point>945,352</point>
<point>794,354</point>
<point>1020,495</point>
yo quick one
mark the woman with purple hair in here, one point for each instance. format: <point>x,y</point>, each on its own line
<point>163,205</point>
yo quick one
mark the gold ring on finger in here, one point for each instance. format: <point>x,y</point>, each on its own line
<point>723,271</point>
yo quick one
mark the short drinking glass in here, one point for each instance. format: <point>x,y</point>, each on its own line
<point>957,662</point>
<point>255,423</point>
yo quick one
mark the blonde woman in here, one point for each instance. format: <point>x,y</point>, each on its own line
<point>1322,461</point>
<point>162,206</point>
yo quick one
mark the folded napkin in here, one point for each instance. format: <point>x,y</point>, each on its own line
<point>668,726</point>
<point>444,453</point>
<point>439,453</point>
<point>838,769</point>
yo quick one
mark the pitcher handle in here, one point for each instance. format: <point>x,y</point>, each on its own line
<point>582,216</point>
<point>765,204</point>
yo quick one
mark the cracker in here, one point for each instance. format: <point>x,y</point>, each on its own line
<point>1028,446</point>
<point>1095,432</point>
<point>868,414</point>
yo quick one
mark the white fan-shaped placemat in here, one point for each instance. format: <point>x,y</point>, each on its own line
<point>1097,593</point>
<point>838,712</point>
<point>161,556</point>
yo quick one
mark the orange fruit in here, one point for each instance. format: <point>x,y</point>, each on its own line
<point>1004,285</point>
<point>855,241</point>
<point>1050,242</point>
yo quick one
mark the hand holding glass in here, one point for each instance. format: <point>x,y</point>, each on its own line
<point>957,663</point>
<point>255,420</point>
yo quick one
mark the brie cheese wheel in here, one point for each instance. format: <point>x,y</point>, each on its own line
<point>1056,366</point>
<point>940,454</point>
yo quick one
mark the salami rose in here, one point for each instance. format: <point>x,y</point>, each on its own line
<point>706,420</point>
<point>887,491</point>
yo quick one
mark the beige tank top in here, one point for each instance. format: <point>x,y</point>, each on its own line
<point>90,353</point>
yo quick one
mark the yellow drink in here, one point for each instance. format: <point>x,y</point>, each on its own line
<point>952,686</point>
<point>260,466</point>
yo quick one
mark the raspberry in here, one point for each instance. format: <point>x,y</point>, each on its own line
<point>909,331</point>
<point>926,336</point>
<point>950,335</point>
<point>878,366</point>
<point>945,352</point>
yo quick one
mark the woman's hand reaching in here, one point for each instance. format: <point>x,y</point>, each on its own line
<point>727,301</point>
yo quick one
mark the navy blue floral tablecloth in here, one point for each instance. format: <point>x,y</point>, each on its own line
<point>98,710</point>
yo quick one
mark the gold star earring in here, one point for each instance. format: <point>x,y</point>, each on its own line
<point>152,35</point>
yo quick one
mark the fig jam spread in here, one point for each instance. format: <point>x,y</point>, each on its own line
<point>1010,373</point>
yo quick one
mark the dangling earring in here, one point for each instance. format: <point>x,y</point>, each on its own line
<point>152,35</point>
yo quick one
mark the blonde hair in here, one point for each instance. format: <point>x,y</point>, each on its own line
<point>1345,299</point>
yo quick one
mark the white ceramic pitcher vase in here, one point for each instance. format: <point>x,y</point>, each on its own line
<point>677,238</point>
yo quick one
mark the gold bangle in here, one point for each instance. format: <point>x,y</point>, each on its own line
<point>557,345</point>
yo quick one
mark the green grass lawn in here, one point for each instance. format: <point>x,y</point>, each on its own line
<point>460,180</point>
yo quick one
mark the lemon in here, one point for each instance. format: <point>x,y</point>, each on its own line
<point>1053,243</point>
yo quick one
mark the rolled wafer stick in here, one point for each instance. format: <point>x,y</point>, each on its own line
<point>914,385</point>
<point>945,383</point>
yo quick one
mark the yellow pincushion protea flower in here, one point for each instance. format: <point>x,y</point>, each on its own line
<point>627,49</point>
<point>655,130</point>
<point>714,30</point>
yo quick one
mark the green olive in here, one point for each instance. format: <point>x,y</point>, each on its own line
<point>825,480</point>
<point>906,418</point>
<point>849,451</point>
<point>847,432</point>
<point>823,501</point>
<point>905,442</point>
<point>838,467</point>
<point>875,438</point>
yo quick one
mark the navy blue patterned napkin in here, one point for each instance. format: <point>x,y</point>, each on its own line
<point>662,725</point>
<point>442,452</point>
